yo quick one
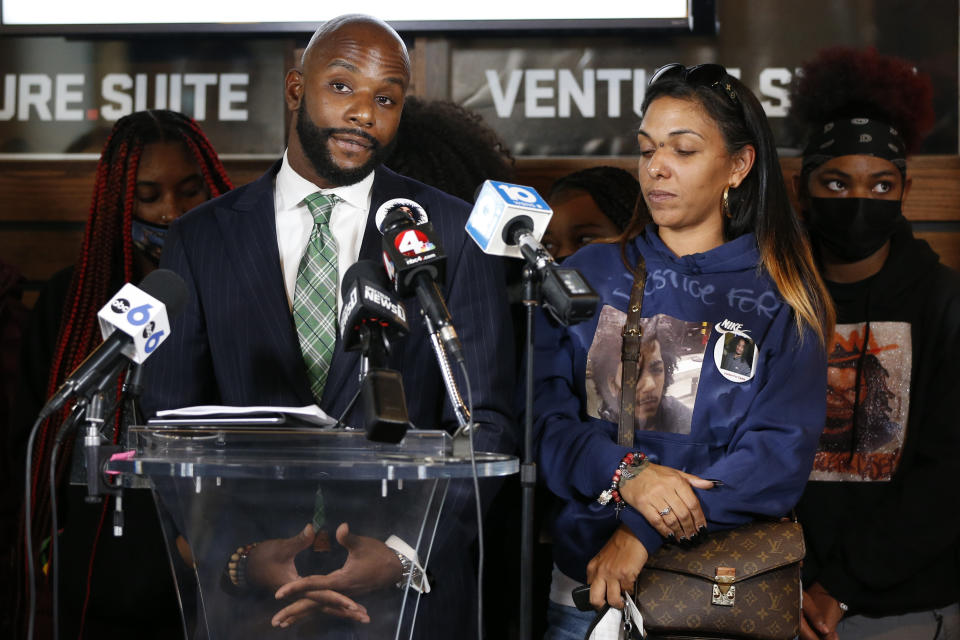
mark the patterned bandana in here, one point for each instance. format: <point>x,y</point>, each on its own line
<point>855,137</point>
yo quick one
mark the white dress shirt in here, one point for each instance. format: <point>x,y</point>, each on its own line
<point>347,222</point>
<point>294,222</point>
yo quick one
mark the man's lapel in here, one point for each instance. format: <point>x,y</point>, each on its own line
<point>250,234</point>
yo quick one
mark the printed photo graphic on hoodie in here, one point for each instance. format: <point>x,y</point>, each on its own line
<point>735,353</point>
<point>672,353</point>
<point>868,400</point>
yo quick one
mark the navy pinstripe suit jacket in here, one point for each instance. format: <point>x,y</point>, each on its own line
<point>235,344</point>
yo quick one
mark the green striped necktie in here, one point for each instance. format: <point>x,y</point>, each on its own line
<point>315,296</point>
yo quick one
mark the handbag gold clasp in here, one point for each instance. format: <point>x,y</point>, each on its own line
<point>724,591</point>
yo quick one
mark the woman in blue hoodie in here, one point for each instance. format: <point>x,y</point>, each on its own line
<point>726,264</point>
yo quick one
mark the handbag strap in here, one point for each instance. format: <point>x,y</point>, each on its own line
<point>630,356</point>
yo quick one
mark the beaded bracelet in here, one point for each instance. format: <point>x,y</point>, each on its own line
<point>633,459</point>
<point>237,567</point>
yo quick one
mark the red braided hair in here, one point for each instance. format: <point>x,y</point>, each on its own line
<point>107,260</point>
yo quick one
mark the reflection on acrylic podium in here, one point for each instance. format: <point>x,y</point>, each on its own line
<point>224,487</point>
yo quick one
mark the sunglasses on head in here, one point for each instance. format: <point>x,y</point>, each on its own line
<point>705,75</point>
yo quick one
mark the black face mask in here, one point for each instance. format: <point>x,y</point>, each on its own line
<point>852,228</point>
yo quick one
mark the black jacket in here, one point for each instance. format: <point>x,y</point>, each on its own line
<point>883,531</point>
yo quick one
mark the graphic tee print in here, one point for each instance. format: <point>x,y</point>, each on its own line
<point>868,400</point>
<point>672,353</point>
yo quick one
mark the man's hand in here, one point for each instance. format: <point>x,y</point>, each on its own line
<point>270,563</point>
<point>821,613</point>
<point>370,565</point>
<point>657,489</point>
<point>329,602</point>
<point>615,568</point>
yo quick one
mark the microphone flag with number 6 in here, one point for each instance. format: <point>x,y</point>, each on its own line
<point>139,315</point>
<point>134,323</point>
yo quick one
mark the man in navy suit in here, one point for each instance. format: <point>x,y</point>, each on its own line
<point>236,342</point>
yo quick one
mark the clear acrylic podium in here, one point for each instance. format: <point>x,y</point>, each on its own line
<point>222,487</point>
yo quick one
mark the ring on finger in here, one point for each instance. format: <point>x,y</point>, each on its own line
<point>665,511</point>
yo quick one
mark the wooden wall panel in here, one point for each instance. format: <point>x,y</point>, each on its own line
<point>46,191</point>
<point>43,203</point>
<point>40,253</point>
<point>946,244</point>
<point>61,190</point>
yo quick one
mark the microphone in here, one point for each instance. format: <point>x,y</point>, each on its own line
<point>415,262</point>
<point>133,323</point>
<point>371,319</point>
<point>509,220</point>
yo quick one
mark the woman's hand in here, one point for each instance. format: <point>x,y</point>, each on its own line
<point>664,497</point>
<point>615,569</point>
<point>821,613</point>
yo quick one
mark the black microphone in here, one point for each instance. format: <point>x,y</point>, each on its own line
<point>370,321</point>
<point>371,318</point>
<point>566,293</point>
<point>134,323</point>
<point>415,262</point>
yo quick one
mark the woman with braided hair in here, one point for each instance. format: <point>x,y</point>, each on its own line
<point>879,514</point>
<point>155,166</point>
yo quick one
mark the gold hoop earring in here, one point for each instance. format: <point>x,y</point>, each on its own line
<point>725,202</point>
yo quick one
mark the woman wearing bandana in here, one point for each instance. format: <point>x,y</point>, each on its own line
<point>879,513</point>
<point>155,166</point>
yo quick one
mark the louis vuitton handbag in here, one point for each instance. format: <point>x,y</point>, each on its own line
<point>742,583</point>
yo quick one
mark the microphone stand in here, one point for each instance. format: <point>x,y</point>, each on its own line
<point>528,468</point>
<point>569,306</point>
<point>463,434</point>
<point>95,451</point>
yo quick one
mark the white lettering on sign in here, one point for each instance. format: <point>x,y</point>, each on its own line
<point>233,95</point>
<point>503,99</point>
<point>35,91</point>
<point>9,107</point>
<point>63,97</point>
<point>613,78</point>
<point>199,82</point>
<point>561,93</point>
<point>112,88</point>
<point>536,92</point>
<point>69,94</point>
<point>775,89</point>
<point>584,95</point>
